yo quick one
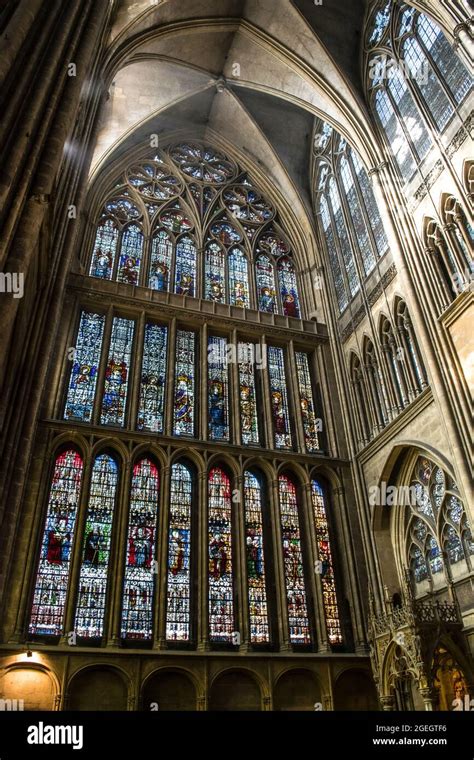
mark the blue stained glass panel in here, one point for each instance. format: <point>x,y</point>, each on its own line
<point>238,278</point>
<point>105,248</point>
<point>288,287</point>
<point>185,276</point>
<point>160,264</point>
<point>214,279</point>
<point>151,406</point>
<point>131,252</point>
<point>308,414</point>
<point>247,394</point>
<point>117,372</point>
<point>279,398</point>
<point>83,380</point>
<point>266,294</point>
<point>218,389</point>
<point>184,391</point>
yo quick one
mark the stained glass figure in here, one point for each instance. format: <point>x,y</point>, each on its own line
<point>140,575</point>
<point>308,414</point>
<point>130,255</point>
<point>218,389</point>
<point>221,598</point>
<point>328,583</point>
<point>214,273</point>
<point>117,371</point>
<point>185,266</point>
<point>151,407</point>
<point>92,592</point>
<point>176,221</point>
<point>293,563</point>
<point>257,592</point>
<point>248,394</point>
<point>266,295</point>
<point>178,609</point>
<point>184,390</point>
<point>288,288</point>
<point>49,597</point>
<point>160,261</point>
<point>105,248</point>
<point>279,398</point>
<point>202,163</point>
<point>238,278</point>
<point>83,380</point>
<point>225,233</point>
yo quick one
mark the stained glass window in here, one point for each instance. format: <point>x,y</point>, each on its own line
<point>214,279</point>
<point>392,127</point>
<point>279,398</point>
<point>90,609</point>
<point>151,406</point>
<point>185,266</point>
<point>49,597</point>
<point>343,237</point>
<point>105,247</point>
<point>288,288</point>
<point>418,564</point>
<point>336,271</point>
<point>427,83</point>
<point>266,295</point>
<point>160,264</point>
<point>257,601</point>
<point>221,598</point>
<point>409,113</point>
<point>83,380</point>
<point>218,389</point>
<point>184,392</point>
<point>117,372</point>
<point>131,252</point>
<point>238,278</point>
<point>178,610</point>
<point>456,76</point>
<point>328,583</point>
<point>202,163</point>
<point>357,215</point>
<point>370,204</point>
<point>293,563</point>
<point>308,413</point>
<point>247,394</point>
<point>139,581</point>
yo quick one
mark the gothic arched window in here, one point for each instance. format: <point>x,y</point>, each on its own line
<point>411,356</point>
<point>140,575</point>
<point>394,356</point>
<point>221,588</point>
<point>376,385</point>
<point>94,572</point>
<point>184,383</point>
<point>298,619</point>
<point>279,398</point>
<point>437,529</point>
<point>52,576</point>
<point>409,60</point>
<point>117,372</point>
<point>148,233</point>
<point>259,623</point>
<point>84,372</point>
<point>151,405</point>
<point>325,568</point>
<point>347,210</point>
<point>178,595</point>
<point>218,389</point>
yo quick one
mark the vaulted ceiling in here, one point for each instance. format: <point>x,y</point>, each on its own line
<point>253,73</point>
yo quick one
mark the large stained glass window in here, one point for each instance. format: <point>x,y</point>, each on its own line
<point>153,379</point>
<point>248,394</point>
<point>239,294</point>
<point>160,262</point>
<point>308,413</point>
<point>218,389</point>
<point>279,398</point>
<point>334,262</point>
<point>185,277</point>
<point>184,390</point>
<point>328,583</point>
<point>105,247</point>
<point>49,597</point>
<point>214,279</point>
<point>117,372</point>
<point>266,294</point>
<point>257,592</point>
<point>288,290</point>
<point>358,218</point>
<point>370,204</point>
<point>139,582</point>
<point>293,563</point>
<point>178,608</point>
<point>83,380</point>
<point>342,234</point>
<point>221,594</point>
<point>92,591</point>
<point>131,252</point>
